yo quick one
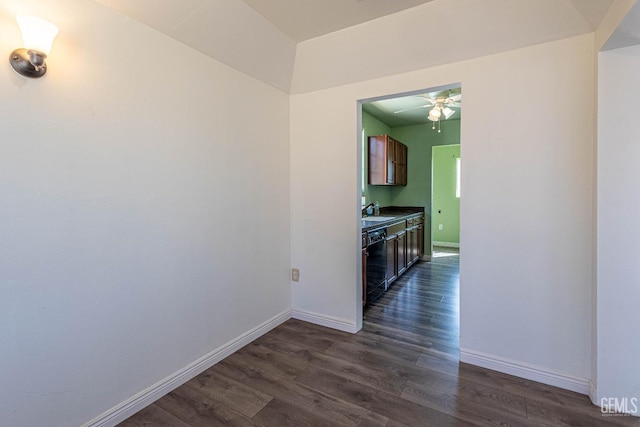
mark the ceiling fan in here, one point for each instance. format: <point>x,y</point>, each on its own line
<point>440,106</point>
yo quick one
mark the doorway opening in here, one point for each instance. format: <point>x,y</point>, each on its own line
<point>425,298</point>
<point>445,200</point>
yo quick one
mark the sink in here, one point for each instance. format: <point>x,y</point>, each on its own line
<point>377,218</point>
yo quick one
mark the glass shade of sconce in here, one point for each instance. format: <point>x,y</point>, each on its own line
<point>37,37</point>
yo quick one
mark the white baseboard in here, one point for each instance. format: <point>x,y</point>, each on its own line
<point>523,370</point>
<point>131,406</point>
<point>593,393</point>
<point>447,244</point>
<point>322,320</point>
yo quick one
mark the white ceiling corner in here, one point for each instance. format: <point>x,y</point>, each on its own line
<point>226,30</point>
<point>593,11</point>
<point>163,16</point>
<point>305,19</point>
<point>628,32</point>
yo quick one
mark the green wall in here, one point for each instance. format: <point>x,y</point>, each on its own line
<point>446,206</point>
<point>420,139</point>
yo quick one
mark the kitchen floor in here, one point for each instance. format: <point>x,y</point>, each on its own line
<point>441,251</point>
<point>401,369</point>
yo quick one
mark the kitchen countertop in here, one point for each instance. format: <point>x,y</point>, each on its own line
<point>394,213</point>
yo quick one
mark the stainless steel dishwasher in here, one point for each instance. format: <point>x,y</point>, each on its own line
<point>376,263</point>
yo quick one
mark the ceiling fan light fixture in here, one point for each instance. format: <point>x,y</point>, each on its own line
<point>434,114</point>
<point>448,112</point>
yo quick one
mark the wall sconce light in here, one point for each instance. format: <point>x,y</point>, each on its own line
<point>37,37</point>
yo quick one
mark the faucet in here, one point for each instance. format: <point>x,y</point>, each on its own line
<point>370,205</point>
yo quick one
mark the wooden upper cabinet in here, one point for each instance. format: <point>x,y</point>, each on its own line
<point>387,161</point>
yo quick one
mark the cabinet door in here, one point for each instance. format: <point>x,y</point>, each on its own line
<point>381,160</point>
<point>364,275</point>
<point>412,245</point>
<point>402,252</point>
<point>401,164</point>
<point>420,241</point>
<point>409,246</point>
<point>392,253</point>
<point>391,160</point>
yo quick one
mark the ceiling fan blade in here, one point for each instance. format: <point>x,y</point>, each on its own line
<point>453,104</point>
<point>412,108</point>
<point>456,98</point>
<point>427,98</point>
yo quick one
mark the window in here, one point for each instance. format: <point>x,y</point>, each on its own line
<point>458,177</point>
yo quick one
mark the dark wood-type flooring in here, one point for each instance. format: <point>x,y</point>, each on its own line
<point>401,369</point>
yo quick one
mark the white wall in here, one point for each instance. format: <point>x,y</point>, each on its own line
<point>618,317</point>
<point>325,202</point>
<point>144,222</point>
<point>526,218</point>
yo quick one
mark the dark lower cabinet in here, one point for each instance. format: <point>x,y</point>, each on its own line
<point>396,251</point>
<point>364,268</point>
<point>404,246</point>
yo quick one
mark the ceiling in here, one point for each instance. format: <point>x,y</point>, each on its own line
<point>300,19</point>
<point>305,19</point>
<point>409,109</point>
<point>294,45</point>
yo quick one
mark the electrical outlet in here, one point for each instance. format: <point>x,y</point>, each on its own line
<point>439,226</point>
<point>295,274</point>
